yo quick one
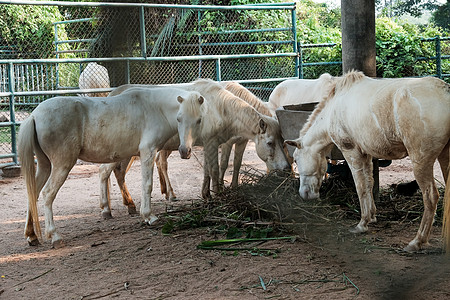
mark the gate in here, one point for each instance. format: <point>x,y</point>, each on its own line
<point>143,44</point>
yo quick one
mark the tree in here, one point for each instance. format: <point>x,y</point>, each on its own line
<point>397,8</point>
<point>441,17</point>
<point>28,29</point>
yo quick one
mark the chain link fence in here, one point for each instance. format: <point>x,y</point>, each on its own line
<point>114,44</point>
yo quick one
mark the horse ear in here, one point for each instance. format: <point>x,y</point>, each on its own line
<point>296,143</point>
<point>262,125</point>
<point>180,99</point>
<point>201,99</point>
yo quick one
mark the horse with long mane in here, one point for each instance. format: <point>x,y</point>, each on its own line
<point>384,118</point>
<point>239,143</point>
<point>94,130</point>
<point>221,117</point>
<point>166,188</point>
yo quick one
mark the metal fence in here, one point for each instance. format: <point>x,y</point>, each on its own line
<point>160,44</point>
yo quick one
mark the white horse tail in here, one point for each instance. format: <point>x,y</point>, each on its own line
<point>446,213</point>
<point>27,146</point>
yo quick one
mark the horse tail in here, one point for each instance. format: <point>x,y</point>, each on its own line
<point>162,178</point>
<point>27,146</point>
<point>132,159</point>
<point>446,213</point>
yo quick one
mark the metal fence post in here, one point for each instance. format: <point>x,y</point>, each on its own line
<point>142,32</point>
<point>12,112</point>
<point>300,64</point>
<point>218,71</point>
<point>200,52</point>
<point>438,57</point>
<point>295,49</point>
<point>57,55</point>
<point>127,71</point>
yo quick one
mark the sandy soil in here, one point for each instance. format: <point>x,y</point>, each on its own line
<point>122,258</point>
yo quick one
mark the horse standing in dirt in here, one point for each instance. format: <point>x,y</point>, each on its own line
<point>238,142</point>
<point>384,118</point>
<point>63,129</point>
<point>221,117</point>
<point>268,151</point>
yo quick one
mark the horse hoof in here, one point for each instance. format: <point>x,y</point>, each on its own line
<point>412,247</point>
<point>132,210</point>
<point>173,199</point>
<point>106,215</point>
<point>206,195</point>
<point>357,229</point>
<point>33,243</point>
<point>151,220</point>
<point>57,244</point>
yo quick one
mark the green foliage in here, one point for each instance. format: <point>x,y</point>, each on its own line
<point>317,23</point>
<point>28,29</point>
<point>399,44</point>
<point>396,49</point>
<point>441,17</point>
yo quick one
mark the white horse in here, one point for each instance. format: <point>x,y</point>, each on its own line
<point>120,169</point>
<point>297,91</point>
<point>384,118</point>
<point>62,129</point>
<point>238,142</point>
<point>94,76</point>
<point>221,117</point>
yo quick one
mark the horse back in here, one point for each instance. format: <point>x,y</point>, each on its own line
<point>103,129</point>
<point>391,117</point>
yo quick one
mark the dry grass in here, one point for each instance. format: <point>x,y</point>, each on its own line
<point>273,200</point>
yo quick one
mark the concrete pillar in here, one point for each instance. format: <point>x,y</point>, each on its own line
<point>358,36</point>
<point>358,49</point>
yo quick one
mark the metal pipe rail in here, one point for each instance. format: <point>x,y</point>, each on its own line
<point>271,6</point>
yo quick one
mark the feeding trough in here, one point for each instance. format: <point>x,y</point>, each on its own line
<point>292,118</point>
<point>11,171</point>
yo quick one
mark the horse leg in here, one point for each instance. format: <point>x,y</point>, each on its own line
<point>57,177</point>
<point>162,165</point>
<point>211,149</point>
<point>224,159</point>
<point>206,186</point>
<point>162,180</point>
<point>105,199</point>
<point>120,171</point>
<point>148,155</point>
<point>361,168</point>
<point>423,172</point>
<point>42,175</point>
<point>239,149</point>
<point>444,161</point>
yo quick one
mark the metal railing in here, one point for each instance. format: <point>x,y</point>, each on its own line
<point>167,51</point>
<point>183,45</point>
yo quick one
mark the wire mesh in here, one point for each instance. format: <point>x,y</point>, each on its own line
<point>151,44</point>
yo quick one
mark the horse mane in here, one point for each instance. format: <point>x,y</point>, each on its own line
<point>338,84</point>
<point>227,105</point>
<point>243,93</point>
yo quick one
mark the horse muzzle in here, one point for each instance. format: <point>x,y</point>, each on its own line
<point>307,194</point>
<point>185,152</point>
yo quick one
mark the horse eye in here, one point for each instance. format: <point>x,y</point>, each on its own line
<point>199,121</point>
<point>270,144</point>
<point>178,119</point>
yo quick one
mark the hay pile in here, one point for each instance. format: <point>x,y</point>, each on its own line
<point>273,200</point>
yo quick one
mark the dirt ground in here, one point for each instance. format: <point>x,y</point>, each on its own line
<point>122,258</point>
